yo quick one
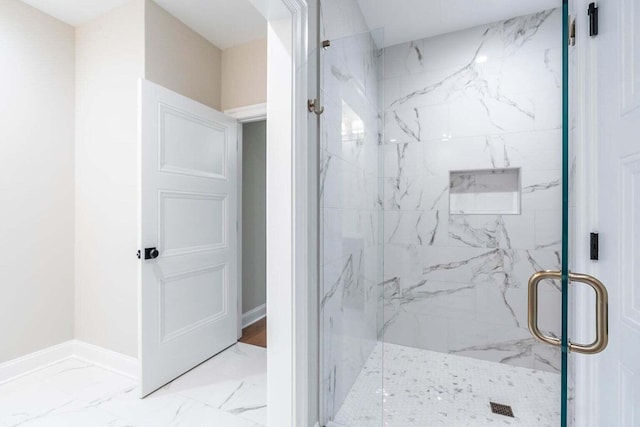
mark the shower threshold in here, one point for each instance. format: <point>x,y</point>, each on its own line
<point>424,388</point>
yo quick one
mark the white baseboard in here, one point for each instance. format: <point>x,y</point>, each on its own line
<point>120,363</point>
<point>252,316</point>
<point>108,359</point>
<point>34,361</point>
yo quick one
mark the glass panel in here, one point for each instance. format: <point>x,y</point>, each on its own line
<point>485,98</point>
<point>471,177</point>
<point>350,218</point>
<point>565,373</point>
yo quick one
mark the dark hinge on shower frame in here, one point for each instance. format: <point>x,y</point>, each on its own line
<point>593,19</point>
<point>594,247</point>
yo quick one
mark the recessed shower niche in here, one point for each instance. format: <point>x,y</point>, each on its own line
<point>485,191</point>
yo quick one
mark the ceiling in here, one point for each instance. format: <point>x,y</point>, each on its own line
<point>224,23</point>
<point>405,20</point>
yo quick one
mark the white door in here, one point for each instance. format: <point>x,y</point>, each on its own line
<point>618,59</point>
<point>188,212</point>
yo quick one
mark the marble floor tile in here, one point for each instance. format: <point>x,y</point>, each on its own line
<point>424,388</point>
<point>228,390</point>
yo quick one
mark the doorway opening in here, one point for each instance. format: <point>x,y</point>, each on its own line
<point>253,300</point>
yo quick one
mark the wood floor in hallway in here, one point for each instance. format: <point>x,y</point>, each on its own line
<point>256,333</point>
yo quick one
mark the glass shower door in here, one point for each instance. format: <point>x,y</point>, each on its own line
<point>473,207</point>
<point>350,219</point>
<point>443,178</point>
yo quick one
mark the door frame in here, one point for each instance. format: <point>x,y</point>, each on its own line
<point>291,228</point>
<point>584,216</point>
<point>248,114</point>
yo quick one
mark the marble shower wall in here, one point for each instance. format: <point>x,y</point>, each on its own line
<point>351,264</point>
<point>483,98</point>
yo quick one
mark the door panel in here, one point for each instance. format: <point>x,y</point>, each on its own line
<point>188,210</point>
<point>613,376</point>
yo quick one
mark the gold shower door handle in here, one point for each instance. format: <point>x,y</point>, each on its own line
<point>602,315</point>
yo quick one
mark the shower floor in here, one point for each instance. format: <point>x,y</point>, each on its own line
<point>425,388</point>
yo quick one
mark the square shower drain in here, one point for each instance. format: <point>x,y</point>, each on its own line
<point>500,409</point>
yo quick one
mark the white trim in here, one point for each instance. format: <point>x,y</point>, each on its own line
<point>105,358</point>
<point>108,359</point>
<point>33,361</point>
<point>250,113</point>
<point>239,224</point>
<point>584,219</point>
<point>287,212</point>
<point>252,316</point>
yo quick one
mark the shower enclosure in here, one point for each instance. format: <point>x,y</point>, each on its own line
<point>443,167</point>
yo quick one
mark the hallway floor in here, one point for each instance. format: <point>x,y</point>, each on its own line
<point>256,333</point>
<point>228,390</point>
<point>425,388</point>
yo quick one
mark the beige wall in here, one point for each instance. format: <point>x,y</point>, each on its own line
<point>244,74</point>
<point>180,59</point>
<point>36,180</point>
<point>109,62</point>
<point>68,185</point>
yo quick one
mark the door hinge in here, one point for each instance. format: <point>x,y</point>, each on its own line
<point>572,31</point>
<point>593,19</point>
<point>594,247</point>
<point>313,105</point>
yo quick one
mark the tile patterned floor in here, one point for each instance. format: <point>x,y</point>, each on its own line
<point>228,390</point>
<point>403,386</point>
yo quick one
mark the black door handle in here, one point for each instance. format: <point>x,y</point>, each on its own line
<point>151,253</point>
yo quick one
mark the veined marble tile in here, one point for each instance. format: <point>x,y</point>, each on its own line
<point>491,342</point>
<point>548,229</point>
<point>407,227</point>
<point>405,58</point>
<point>416,330</point>
<point>76,393</point>
<point>476,99</point>
<point>156,409</point>
<point>532,32</point>
<point>432,88</point>
<point>404,193</point>
<point>348,230</point>
<point>234,382</point>
<point>426,388</point>
<point>531,151</point>
<point>541,190</point>
<point>492,231</point>
<point>536,71</point>
<point>344,185</point>
<point>403,261</point>
<point>476,113</point>
<point>194,413</point>
<point>548,110</point>
<point>435,299</point>
<point>351,200</point>
<point>547,358</point>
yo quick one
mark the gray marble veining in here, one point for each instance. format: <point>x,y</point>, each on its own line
<point>467,102</point>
